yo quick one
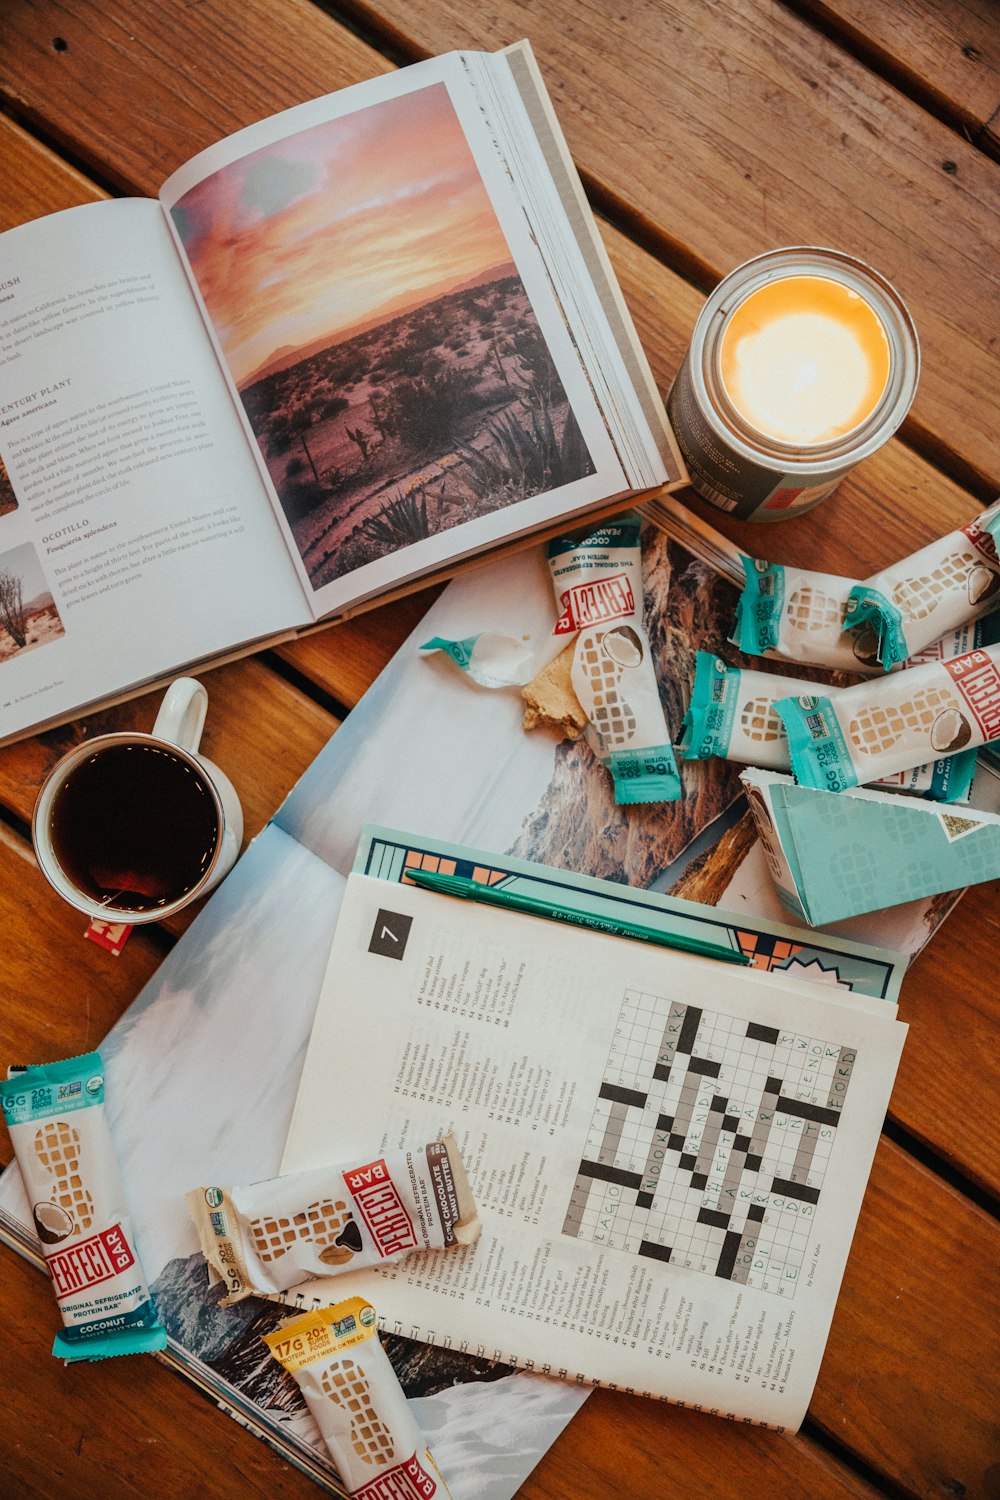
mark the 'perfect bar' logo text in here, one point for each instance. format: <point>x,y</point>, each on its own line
<point>381,1208</point>
<point>92,1261</point>
<point>596,603</point>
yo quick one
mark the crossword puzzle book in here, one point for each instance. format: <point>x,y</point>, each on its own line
<point>668,1156</point>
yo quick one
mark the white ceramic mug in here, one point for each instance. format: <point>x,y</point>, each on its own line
<point>177,734</point>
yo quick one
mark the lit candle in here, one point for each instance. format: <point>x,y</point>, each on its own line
<point>804,360</point>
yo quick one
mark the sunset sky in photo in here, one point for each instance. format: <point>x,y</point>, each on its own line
<point>339,225</point>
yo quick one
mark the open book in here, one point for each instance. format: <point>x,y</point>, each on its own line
<point>349,348</point>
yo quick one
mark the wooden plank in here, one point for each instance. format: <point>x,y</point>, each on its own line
<point>902,1383</point>
<point>345,659</point>
<point>950,1001</point>
<point>675,1454</point>
<point>61,994</point>
<point>746,95</point>
<point>946,53</point>
<point>108,1428</point>
<point>35,181</point>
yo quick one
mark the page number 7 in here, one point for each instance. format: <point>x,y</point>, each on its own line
<point>390,934</point>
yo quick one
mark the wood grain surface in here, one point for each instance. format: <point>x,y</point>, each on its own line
<point>706,130</point>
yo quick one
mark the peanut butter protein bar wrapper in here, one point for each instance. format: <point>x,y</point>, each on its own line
<point>954,580</point>
<point>598,587</point>
<point>55,1115</point>
<point>800,616</point>
<point>271,1236</point>
<point>349,1385</point>
<point>877,729</point>
<point>732,715</point>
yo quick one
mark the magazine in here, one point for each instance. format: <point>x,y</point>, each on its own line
<point>348,349</point>
<point>203,1069</point>
<point>668,1155</point>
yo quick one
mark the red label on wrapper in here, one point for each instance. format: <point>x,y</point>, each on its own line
<point>92,1261</point>
<point>406,1481</point>
<point>976,676</point>
<point>982,541</point>
<point>389,1225</point>
<point>595,603</point>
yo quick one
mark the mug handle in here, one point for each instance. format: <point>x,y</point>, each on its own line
<point>181,718</point>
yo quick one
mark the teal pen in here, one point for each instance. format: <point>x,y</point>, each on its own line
<point>534,906</point>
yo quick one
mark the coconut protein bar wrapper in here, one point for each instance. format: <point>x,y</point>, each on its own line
<point>270,1236</point>
<point>351,1389</point>
<point>609,688</point>
<point>599,599</point>
<point>799,616</point>
<point>59,1131</point>
<point>953,580</point>
<point>877,729</point>
<point>732,715</point>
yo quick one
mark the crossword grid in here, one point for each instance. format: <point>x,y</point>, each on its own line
<point>709,1142</point>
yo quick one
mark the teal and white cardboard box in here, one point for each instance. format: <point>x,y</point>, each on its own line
<point>838,854</point>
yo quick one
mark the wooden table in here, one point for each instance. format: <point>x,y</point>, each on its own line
<point>706,131</point>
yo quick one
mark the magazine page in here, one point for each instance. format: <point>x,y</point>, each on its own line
<point>390,332</point>
<point>129,500</point>
<point>668,1155</point>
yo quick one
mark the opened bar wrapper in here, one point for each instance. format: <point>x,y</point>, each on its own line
<point>732,715</point>
<point>598,587</point>
<point>837,856</point>
<point>799,615</point>
<point>270,1236</point>
<point>55,1114</point>
<point>878,728</point>
<point>955,579</point>
<point>351,1389</point>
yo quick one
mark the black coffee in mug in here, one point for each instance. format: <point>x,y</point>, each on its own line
<point>134,826</point>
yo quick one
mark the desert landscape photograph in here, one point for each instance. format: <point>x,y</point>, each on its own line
<point>28,614</point>
<point>382,341</point>
<point>8,500</point>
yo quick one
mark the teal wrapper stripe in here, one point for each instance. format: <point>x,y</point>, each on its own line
<point>648,775</point>
<point>819,754</point>
<point>707,727</point>
<point>56,1088</point>
<point>109,1345</point>
<point>951,778</point>
<point>459,651</point>
<point>868,606</point>
<point>760,606</point>
<point>625,532</point>
<point>990,521</point>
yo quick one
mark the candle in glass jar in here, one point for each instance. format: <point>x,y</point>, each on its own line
<point>802,363</point>
<point>804,359</point>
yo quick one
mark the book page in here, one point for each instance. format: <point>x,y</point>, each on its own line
<point>668,1154</point>
<point>391,332</point>
<point>135,535</point>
